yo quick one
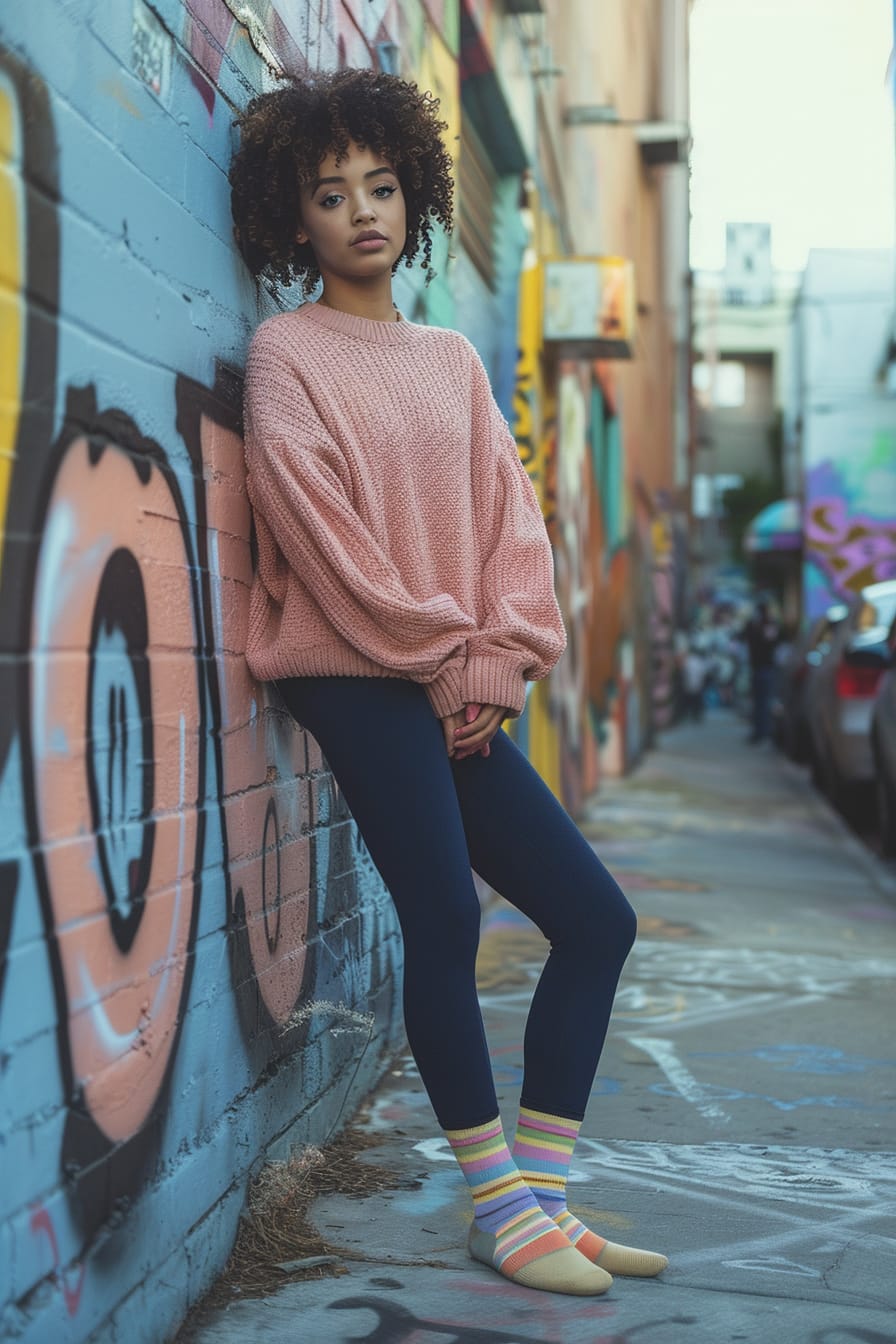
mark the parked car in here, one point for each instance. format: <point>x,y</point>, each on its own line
<point>883,750</point>
<point>807,653</point>
<point>841,695</point>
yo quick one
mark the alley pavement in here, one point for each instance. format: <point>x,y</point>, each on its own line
<point>742,1120</point>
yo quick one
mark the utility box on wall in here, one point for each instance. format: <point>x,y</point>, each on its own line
<point>589,306</point>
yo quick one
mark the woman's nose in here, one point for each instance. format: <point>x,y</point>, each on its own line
<point>364,210</point>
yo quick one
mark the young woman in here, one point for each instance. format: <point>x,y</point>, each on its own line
<point>403,599</point>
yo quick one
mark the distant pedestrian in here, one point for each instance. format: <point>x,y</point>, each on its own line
<point>404,598</point>
<point>762,635</point>
<point>694,672</point>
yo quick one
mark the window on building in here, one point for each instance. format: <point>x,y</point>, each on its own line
<point>721,385</point>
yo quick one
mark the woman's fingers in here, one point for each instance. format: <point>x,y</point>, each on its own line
<point>487,721</point>
<point>450,724</point>
<point>477,735</point>
<point>470,730</point>
<point>471,712</point>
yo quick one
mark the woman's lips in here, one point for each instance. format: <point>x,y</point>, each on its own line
<point>369,244</point>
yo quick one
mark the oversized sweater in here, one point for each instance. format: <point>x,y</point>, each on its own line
<point>398,533</point>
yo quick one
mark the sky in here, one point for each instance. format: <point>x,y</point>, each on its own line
<point>792,120</point>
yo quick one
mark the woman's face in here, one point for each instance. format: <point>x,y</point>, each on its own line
<point>353,215</point>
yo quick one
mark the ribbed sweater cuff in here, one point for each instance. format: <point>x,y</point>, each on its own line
<point>489,679</point>
<point>445,691</point>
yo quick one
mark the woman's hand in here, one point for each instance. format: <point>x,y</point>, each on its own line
<point>481,724</point>
<point>453,725</point>
<point>450,724</point>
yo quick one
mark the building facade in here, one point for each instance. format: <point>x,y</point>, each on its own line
<point>744,431</point>
<point>599,94</point>
<point>846,418</point>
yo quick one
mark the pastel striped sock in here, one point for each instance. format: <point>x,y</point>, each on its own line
<point>503,1205</point>
<point>542,1151</point>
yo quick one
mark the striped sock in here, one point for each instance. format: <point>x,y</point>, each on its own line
<point>503,1205</point>
<point>542,1151</point>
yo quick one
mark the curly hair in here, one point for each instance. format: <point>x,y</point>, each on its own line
<point>285,135</point>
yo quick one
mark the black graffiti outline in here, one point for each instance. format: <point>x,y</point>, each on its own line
<point>396,1324</point>
<point>9,883</point>
<point>392,1317</point>
<point>122,570</point>
<point>270,816</point>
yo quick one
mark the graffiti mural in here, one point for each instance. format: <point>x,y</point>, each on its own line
<point>193,938</point>
<point>569,527</point>
<point>609,677</point>
<point>113,755</point>
<point>849,546</point>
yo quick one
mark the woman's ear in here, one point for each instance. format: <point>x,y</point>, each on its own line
<point>301,236</point>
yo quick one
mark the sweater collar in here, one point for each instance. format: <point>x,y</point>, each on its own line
<point>362,328</point>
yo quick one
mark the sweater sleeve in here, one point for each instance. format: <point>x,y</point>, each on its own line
<point>299,483</point>
<point>520,634</point>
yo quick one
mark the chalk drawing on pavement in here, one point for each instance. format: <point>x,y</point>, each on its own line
<point>808,1058</point>
<point>759,968</point>
<point>683,1081</point>
<point>668,984</point>
<point>803,1211</point>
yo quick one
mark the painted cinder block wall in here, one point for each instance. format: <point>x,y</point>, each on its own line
<point>199,966</point>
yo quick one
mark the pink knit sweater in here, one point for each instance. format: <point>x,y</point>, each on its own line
<point>398,532</point>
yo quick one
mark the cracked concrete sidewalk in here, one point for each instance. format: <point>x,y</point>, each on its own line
<point>742,1118</point>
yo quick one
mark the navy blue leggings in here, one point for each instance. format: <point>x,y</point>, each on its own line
<point>426,820</point>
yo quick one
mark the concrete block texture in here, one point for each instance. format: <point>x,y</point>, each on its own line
<point>199,965</point>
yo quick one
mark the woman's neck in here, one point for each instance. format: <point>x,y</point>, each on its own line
<point>376,305</point>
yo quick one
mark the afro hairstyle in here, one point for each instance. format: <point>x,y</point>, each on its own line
<point>286,133</point>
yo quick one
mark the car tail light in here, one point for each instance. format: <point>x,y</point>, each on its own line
<point>858,681</point>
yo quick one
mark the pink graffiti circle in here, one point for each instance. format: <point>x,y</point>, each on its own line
<point>262,754</point>
<point>123,981</point>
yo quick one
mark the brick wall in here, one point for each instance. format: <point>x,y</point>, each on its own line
<point>186,911</point>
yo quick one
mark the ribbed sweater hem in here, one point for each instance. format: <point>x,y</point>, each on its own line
<point>492,680</point>
<point>484,680</point>
<point>445,691</point>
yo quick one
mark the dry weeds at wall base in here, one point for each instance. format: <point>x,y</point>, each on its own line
<point>276,1243</point>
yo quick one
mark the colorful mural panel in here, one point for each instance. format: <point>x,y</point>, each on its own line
<point>850,534</point>
<point>186,908</point>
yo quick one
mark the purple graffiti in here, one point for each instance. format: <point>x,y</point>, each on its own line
<point>851,549</point>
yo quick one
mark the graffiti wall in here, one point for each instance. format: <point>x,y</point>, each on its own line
<point>843,323</point>
<point>850,506</point>
<point>619,549</point>
<point>586,719</point>
<point>198,961</point>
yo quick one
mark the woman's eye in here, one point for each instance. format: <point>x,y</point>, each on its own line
<point>389,191</point>
<point>330,201</point>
